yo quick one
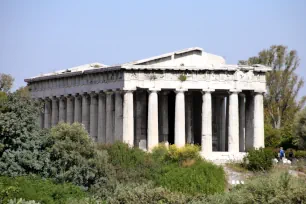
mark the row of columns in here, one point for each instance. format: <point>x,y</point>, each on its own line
<point>95,112</point>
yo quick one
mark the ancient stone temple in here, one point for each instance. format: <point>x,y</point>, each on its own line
<point>187,96</point>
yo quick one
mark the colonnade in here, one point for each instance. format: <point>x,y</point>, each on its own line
<point>109,116</point>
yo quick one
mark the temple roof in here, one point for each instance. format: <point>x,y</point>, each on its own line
<point>187,59</point>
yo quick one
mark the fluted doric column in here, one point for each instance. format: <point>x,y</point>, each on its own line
<point>77,108</point>
<point>70,113</point>
<point>47,118</point>
<point>241,122</point>
<point>206,122</point>
<point>101,118</point>
<point>128,118</point>
<point>54,111</point>
<point>93,116</point>
<point>179,123</point>
<point>152,119</point>
<point>259,138</point>
<point>62,109</point>
<point>233,123</point>
<point>118,117</point>
<point>109,118</point>
<point>85,111</point>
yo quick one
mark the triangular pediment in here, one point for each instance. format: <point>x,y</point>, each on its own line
<point>187,57</point>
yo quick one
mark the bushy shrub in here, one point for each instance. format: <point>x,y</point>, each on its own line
<point>181,154</point>
<point>35,188</point>
<point>131,164</point>
<point>272,136</point>
<point>159,152</point>
<point>143,194</point>
<point>200,178</point>
<point>259,159</point>
<point>74,157</point>
<point>300,129</point>
<point>21,201</point>
<point>275,188</point>
<point>300,154</point>
<point>22,144</point>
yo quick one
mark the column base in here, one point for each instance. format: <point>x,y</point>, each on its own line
<point>223,157</point>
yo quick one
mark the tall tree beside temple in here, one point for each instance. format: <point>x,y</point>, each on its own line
<point>283,84</point>
<point>6,82</point>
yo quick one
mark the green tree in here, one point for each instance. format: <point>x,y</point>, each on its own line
<point>23,91</point>
<point>300,129</point>
<point>283,85</point>
<point>22,144</point>
<point>6,82</point>
<point>74,157</point>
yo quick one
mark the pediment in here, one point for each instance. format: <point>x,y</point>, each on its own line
<point>187,57</point>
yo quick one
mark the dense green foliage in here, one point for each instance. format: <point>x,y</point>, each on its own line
<point>259,159</point>
<point>74,158</point>
<point>300,129</point>
<point>66,166</point>
<point>22,144</point>
<point>177,169</point>
<point>199,178</point>
<point>275,188</point>
<point>35,188</point>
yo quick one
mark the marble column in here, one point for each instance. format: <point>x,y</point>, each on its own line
<point>259,138</point>
<point>163,117</point>
<point>152,119</point>
<point>233,123</point>
<point>54,111</point>
<point>70,112</point>
<point>93,129</point>
<point>77,108</point>
<point>206,122</point>
<point>241,122</point>
<point>85,111</point>
<point>128,118</point>
<point>118,117</point>
<point>179,123</point>
<point>109,118</point>
<point>101,118</point>
<point>249,121</point>
<point>47,119</point>
<point>62,109</point>
<point>188,122</point>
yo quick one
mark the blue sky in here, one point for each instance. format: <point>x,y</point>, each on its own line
<point>44,36</point>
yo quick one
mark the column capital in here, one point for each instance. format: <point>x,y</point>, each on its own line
<point>153,90</point>
<point>259,91</point>
<point>108,92</point>
<point>180,90</point>
<point>241,94</point>
<point>77,96</point>
<point>93,94</point>
<point>54,98</point>
<point>126,91</point>
<point>208,90</point>
<point>235,91</point>
<point>69,96</point>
